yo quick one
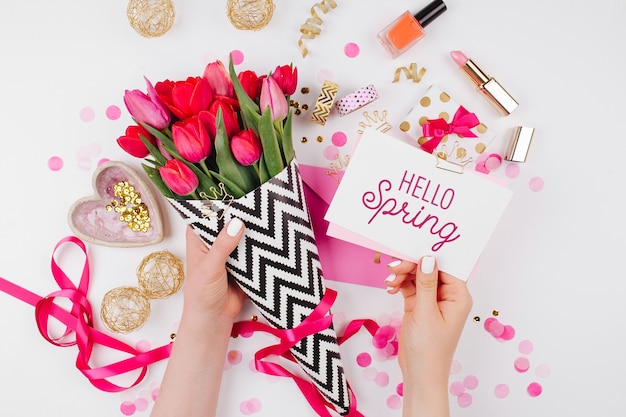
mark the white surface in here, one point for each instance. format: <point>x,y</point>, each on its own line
<point>554,267</point>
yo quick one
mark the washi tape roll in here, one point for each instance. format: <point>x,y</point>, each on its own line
<point>324,102</point>
<point>356,100</point>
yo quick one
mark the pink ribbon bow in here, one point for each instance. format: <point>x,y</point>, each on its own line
<point>436,129</point>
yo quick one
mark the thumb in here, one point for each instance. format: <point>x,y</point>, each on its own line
<point>426,284</point>
<point>226,241</point>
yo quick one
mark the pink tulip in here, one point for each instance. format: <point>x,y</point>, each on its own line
<point>219,79</point>
<point>147,108</point>
<point>132,143</point>
<point>191,139</point>
<point>185,98</point>
<point>287,78</point>
<point>272,96</point>
<point>246,147</point>
<point>179,177</point>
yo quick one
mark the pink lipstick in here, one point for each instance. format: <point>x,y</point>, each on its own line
<point>499,98</point>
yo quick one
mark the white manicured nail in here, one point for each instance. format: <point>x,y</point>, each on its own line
<point>390,289</point>
<point>394,263</point>
<point>390,278</point>
<point>234,226</point>
<point>428,264</point>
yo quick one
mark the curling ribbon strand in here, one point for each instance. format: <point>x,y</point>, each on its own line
<point>310,29</point>
<point>436,129</point>
<point>79,322</point>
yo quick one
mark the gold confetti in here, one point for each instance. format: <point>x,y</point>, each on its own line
<point>496,313</point>
<point>130,207</point>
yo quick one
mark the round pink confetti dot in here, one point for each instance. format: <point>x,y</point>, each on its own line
<point>254,405</point>
<point>534,389</point>
<point>113,112</point>
<point>457,388</point>
<point>455,368</point>
<point>481,167</point>
<point>143,345</point>
<point>536,184</point>
<point>55,163</point>
<point>542,371</point>
<point>465,400</point>
<point>331,152</point>
<point>364,359</point>
<point>387,331</point>
<point>87,114</point>
<point>351,50</point>
<point>493,162</point>
<point>496,329</point>
<point>470,382</point>
<point>128,408</point>
<point>508,333</point>
<point>102,161</point>
<point>379,341</point>
<point>394,402</point>
<point>501,391</point>
<point>382,379</point>
<point>369,374</point>
<point>141,404</point>
<point>234,357</point>
<point>339,139</point>
<point>512,170</point>
<point>521,364</point>
<point>400,389</point>
<point>155,393</point>
<point>525,347</point>
<point>237,56</point>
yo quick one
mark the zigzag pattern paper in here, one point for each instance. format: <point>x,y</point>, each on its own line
<point>277,265</point>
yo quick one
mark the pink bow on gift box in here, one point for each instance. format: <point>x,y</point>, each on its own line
<point>436,129</point>
<point>341,260</point>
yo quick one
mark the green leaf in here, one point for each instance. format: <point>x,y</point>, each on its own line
<point>243,176</point>
<point>154,151</point>
<point>271,147</point>
<point>287,139</point>
<point>231,187</point>
<point>263,174</point>
<point>249,109</point>
<point>156,179</point>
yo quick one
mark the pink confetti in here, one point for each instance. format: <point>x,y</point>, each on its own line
<point>155,393</point>
<point>102,161</point>
<point>237,56</point>
<point>141,404</point>
<point>234,357</point>
<point>331,152</point>
<point>501,391</point>
<point>536,184</point>
<point>512,170</point>
<point>470,382</point>
<point>113,112</point>
<point>369,374</point>
<point>394,402</point>
<point>521,364</point>
<point>379,341</point>
<point>400,389</point>
<point>382,379</point>
<point>455,368</point>
<point>508,333</point>
<point>493,162</point>
<point>143,345</point>
<point>457,388</point>
<point>465,400</point>
<point>364,359</point>
<point>542,371</point>
<point>128,408</point>
<point>534,389</point>
<point>339,139</point>
<point>55,163</point>
<point>525,347</point>
<point>351,50</point>
<point>87,114</point>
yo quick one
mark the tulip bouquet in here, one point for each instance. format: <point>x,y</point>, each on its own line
<point>219,146</point>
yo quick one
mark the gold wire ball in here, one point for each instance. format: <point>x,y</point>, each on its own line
<point>160,274</point>
<point>151,18</point>
<point>250,14</point>
<point>124,309</point>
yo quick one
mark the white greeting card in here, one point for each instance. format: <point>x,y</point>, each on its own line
<point>393,196</point>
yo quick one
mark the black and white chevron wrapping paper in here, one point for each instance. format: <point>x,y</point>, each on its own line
<point>277,265</point>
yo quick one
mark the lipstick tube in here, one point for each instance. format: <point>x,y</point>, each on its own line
<point>499,98</point>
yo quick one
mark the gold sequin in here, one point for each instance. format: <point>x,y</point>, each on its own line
<point>130,207</point>
<point>476,319</point>
<point>320,139</point>
<point>173,336</point>
<point>304,139</point>
<point>305,90</point>
<point>495,313</point>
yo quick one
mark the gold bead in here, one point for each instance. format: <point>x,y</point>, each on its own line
<point>173,336</point>
<point>476,319</point>
<point>495,313</point>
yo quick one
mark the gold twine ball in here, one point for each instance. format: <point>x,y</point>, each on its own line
<point>124,309</point>
<point>250,14</point>
<point>151,18</point>
<point>160,274</point>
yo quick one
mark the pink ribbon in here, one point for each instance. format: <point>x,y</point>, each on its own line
<point>436,129</point>
<point>79,330</point>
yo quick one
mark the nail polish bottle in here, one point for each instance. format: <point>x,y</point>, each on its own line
<point>407,29</point>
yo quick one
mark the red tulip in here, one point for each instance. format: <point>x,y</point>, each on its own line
<point>185,98</point>
<point>219,79</point>
<point>147,108</point>
<point>132,144</point>
<point>251,83</point>
<point>272,96</point>
<point>287,78</point>
<point>179,177</point>
<point>231,122</point>
<point>191,139</point>
<point>246,147</point>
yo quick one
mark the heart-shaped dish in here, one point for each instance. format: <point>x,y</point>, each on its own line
<point>90,220</point>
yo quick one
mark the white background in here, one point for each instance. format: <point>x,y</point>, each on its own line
<point>553,268</point>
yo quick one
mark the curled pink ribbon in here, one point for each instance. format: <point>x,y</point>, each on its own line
<point>436,129</point>
<point>318,321</point>
<point>79,330</point>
